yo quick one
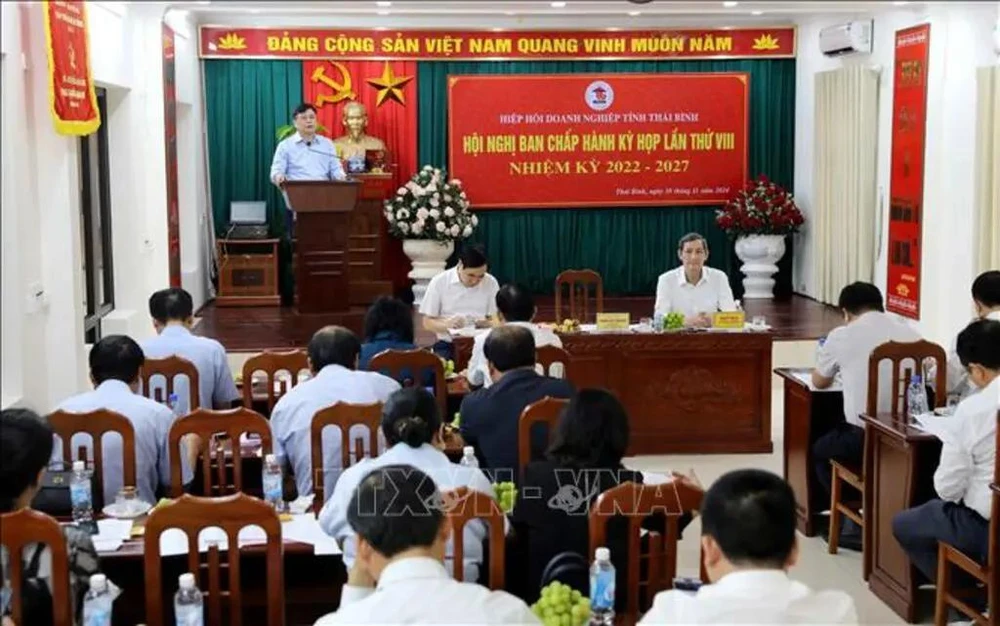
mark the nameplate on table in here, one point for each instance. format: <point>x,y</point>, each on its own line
<point>613,321</point>
<point>731,320</point>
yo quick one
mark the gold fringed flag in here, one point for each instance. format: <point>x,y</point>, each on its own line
<point>72,100</point>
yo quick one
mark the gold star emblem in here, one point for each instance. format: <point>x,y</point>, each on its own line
<point>389,86</point>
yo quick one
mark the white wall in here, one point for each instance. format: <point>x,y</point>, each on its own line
<point>961,41</point>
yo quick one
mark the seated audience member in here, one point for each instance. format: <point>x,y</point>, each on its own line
<point>389,326</point>
<point>458,297</point>
<point>986,298</point>
<point>395,514</point>
<point>748,545</point>
<point>490,416</point>
<point>960,516</point>
<point>26,441</point>
<point>515,306</point>
<point>846,351</point>
<point>413,430</point>
<point>114,370</point>
<point>172,311</point>
<point>333,360</point>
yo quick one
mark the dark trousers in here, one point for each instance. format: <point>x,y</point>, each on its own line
<point>845,443</point>
<point>919,529</point>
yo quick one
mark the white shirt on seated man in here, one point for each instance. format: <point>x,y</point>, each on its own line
<point>461,296</point>
<point>398,576</point>
<point>748,544</point>
<point>694,289</point>
<point>986,298</point>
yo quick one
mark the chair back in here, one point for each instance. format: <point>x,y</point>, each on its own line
<point>272,364</point>
<point>96,424</point>
<point>206,424</point>
<point>191,515</point>
<point>408,367</point>
<point>547,356</point>
<point>343,416</point>
<point>579,283</point>
<point>993,551</point>
<point>546,411</point>
<point>463,505</point>
<point>21,529</point>
<point>897,353</point>
<point>637,502</point>
<point>170,368</point>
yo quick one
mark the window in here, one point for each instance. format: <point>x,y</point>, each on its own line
<point>95,221</point>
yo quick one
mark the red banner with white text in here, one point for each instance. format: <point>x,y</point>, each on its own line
<point>565,140</point>
<point>906,184</point>
<point>72,100</point>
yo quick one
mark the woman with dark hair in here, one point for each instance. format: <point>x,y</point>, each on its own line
<point>26,441</point>
<point>388,326</point>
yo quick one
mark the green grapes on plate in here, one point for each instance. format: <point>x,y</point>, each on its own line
<point>560,605</point>
<point>673,321</point>
<point>506,494</point>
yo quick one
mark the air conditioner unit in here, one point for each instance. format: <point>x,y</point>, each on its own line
<point>850,38</point>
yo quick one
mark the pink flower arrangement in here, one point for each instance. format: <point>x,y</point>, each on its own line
<point>760,208</point>
<point>430,206</point>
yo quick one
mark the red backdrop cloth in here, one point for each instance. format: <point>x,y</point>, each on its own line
<point>393,123</point>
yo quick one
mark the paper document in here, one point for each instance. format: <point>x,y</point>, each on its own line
<point>941,427</point>
<point>654,478</point>
<point>305,529</point>
<point>805,377</point>
<point>108,529</point>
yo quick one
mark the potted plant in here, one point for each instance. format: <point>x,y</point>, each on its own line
<point>759,216</point>
<point>429,213</point>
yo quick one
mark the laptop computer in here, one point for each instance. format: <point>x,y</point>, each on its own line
<point>248,220</point>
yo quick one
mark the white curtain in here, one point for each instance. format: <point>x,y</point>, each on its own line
<point>987,230</point>
<point>845,195</point>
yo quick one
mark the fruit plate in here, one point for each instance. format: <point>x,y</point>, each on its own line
<point>119,510</point>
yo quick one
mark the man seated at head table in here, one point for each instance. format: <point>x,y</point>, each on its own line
<point>748,544</point>
<point>115,362</point>
<point>986,298</point>
<point>693,289</point>
<point>398,576</point>
<point>490,416</point>
<point>961,513</point>
<point>172,311</point>
<point>462,296</point>
<point>333,361</point>
<point>846,350</point>
<point>516,307</point>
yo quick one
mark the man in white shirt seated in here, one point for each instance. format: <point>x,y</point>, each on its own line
<point>172,311</point>
<point>748,544</point>
<point>396,514</point>
<point>960,517</point>
<point>464,295</point>
<point>515,306</point>
<point>986,298</point>
<point>693,289</point>
<point>846,351</point>
<point>333,359</point>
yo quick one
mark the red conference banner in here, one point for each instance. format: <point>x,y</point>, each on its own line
<point>906,184</point>
<point>170,130</point>
<point>222,42</point>
<point>565,140</point>
<point>72,100</point>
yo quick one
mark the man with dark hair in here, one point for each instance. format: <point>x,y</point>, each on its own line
<point>114,370</point>
<point>172,311</point>
<point>986,299</point>
<point>464,295</point>
<point>398,516</point>
<point>748,545</point>
<point>333,361</point>
<point>490,416</point>
<point>845,352</point>
<point>960,517</point>
<point>515,306</point>
<point>693,289</point>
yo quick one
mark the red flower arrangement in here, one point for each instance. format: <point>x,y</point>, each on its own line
<point>760,208</point>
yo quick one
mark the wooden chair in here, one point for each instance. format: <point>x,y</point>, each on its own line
<point>170,368</point>
<point>21,529</point>
<point>464,505</point>
<point>415,363</point>
<point>191,515</point>
<point>96,424</point>
<point>547,356</point>
<point>272,363</point>
<point>343,416</point>
<point>579,283</point>
<point>988,574</point>
<point>206,424</point>
<point>637,502</point>
<point>546,411</point>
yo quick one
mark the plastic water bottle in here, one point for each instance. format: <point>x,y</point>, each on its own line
<point>188,608</point>
<point>175,405</point>
<point>916,396</point>
<point>272,482</point>
<point>602,589</point>
<point>79,494</point>
<point>97,602</point>
<point>469,457</point>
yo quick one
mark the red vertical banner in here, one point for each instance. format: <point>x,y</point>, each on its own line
<point>170,128</point>
<point>72,99</point>
<point>906,183</point>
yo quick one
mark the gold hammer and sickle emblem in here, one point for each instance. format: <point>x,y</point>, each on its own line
<point>341,90</point>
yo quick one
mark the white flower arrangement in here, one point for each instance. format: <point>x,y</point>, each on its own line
<point>430,206</point>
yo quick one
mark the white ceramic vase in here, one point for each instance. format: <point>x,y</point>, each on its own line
<point>427,259</point>
<point>760,255</point>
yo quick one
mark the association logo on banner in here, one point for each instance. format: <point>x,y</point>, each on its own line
<point>599,95</point>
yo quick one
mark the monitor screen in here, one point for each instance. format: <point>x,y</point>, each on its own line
<point>248,212</point>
